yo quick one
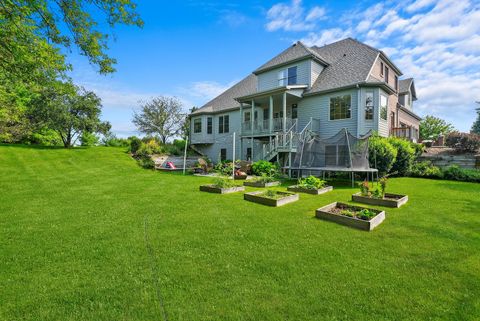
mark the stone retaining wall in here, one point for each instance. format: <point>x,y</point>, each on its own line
<point>464,161</point>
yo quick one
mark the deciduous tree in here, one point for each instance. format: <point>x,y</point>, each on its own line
<point>161,116</point>
<point>431,127</point>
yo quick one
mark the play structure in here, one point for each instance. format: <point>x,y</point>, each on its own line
<point>342,152</point>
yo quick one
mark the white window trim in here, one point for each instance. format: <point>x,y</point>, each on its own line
<point>343,119</point>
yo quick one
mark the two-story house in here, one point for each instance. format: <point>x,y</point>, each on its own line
<point>346,84</point>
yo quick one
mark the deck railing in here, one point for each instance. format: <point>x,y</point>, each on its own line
<point>263,126</point>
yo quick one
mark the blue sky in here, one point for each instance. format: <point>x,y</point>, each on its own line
<point>196,49</point>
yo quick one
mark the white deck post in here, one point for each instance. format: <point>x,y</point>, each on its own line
<point>185,156</point>
<point>251,122</point>
<point>284,105</point>
<point>270,115</point>
<point>233,158</point>
<point>241,130</point>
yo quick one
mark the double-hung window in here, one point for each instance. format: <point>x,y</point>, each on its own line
<point>197,125</point>
<point>287,76</point>
<point>340,107</point>
<point>369,105</point>
<point>209,125</point>
<point>223,124</point>
<point>383,107</point>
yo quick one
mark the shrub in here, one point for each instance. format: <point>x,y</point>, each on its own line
<point>88,139</point>
<point>381,154</point>
<point>224,168</point>
<point>135,144</point>
<point>311,182</point>
<point>425,169</point>
<point>223,182</point>
<point>405,155</point>
<point>113,141</point>
<point>45,137</point>
<point>146,162</point>
<point>461,174</point>
<point>463,142</point>
<point>149,148</point>
<point>263,167</point>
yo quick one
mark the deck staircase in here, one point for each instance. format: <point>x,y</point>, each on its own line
<point>288,141</point>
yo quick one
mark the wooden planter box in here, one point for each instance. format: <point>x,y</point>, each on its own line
<point>261,184</point>
<point>218,190</point>
<point>392,200</point>
<point>325,214</point>
<point>299,189</point>
<point>255,197</point>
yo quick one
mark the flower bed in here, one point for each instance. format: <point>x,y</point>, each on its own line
<point>271,198</point>
<point>354,216</point>
<point>222,186</point>
<point>311,185</point>
<point>219,190</point>
<point>261,184</point>
<point>313,191</point>
<point>388,200</point>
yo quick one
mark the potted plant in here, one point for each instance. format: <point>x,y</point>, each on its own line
<point>222,185</point>
<point>271,197</point>
<point>377,195</point>
<point>262,181</point>
<point>310,185</point>
<point>354,216</point>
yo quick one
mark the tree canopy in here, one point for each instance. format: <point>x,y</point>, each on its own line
<point>431,127</point>
<point>476,124</point>
<point>162,116</point>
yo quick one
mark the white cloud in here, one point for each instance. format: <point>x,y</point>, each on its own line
<point>233,19</point>
<point>293,17</point>
<point>436,42</point>
<point>316,13</point>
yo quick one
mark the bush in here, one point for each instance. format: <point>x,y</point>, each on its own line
<point>146,162</point>
<point>224,168</point>
<point>88,139</point>
<point>113,141</point>
<point>263,167</point>
<point>425,169</point>
<point>135,144</point>
<point>405,155</point>
<point>381,154</point>
<point>311,182</point>
<point>463,142</point>
<point>456,173</point>
<point>149,148</point>
<point>45,137</point>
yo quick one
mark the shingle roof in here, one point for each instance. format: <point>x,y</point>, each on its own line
<point>226,100</point>
<point>295,52</point>
<point>404,85</point>
<point>349,61</point>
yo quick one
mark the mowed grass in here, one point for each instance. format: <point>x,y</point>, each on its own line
<point>85,234</point>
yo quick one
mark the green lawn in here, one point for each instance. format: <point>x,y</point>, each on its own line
<point>85,234</point>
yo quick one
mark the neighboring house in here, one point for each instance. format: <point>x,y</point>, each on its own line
<point>346,84</point>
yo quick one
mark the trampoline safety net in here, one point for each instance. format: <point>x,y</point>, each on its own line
<point>342,151</point>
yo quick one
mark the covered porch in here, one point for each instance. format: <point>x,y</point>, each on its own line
<point>270,112</point>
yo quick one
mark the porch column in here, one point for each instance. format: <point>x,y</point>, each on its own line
<point>270,115</point>
<point>241,131</point>
<point>284,111</point>
<point>251,122</point>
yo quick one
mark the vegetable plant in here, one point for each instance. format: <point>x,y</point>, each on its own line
<point>311,182</point>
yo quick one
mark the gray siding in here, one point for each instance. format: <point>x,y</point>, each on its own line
<point>269,79</point>
<point>319,107</point>
<point>315,70</point>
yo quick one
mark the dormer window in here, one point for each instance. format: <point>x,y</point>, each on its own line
<point>287,76</point>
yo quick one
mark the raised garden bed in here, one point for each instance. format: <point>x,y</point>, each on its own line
<point>337,212</point>
<point>314,191</point>
<point>261,184</point>
<point>219,190</point>
<point>389,200</point>
<point>240,177</point>
<point>271,198</point>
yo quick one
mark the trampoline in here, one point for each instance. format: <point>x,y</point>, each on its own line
<point>342,152</point>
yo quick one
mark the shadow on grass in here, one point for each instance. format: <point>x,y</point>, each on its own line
<point>42,147</point>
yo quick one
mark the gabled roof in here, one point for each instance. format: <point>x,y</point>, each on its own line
<point>349,61</point>
<point>406,85</point>
<point>226,100</point>
<point>298,51</point>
